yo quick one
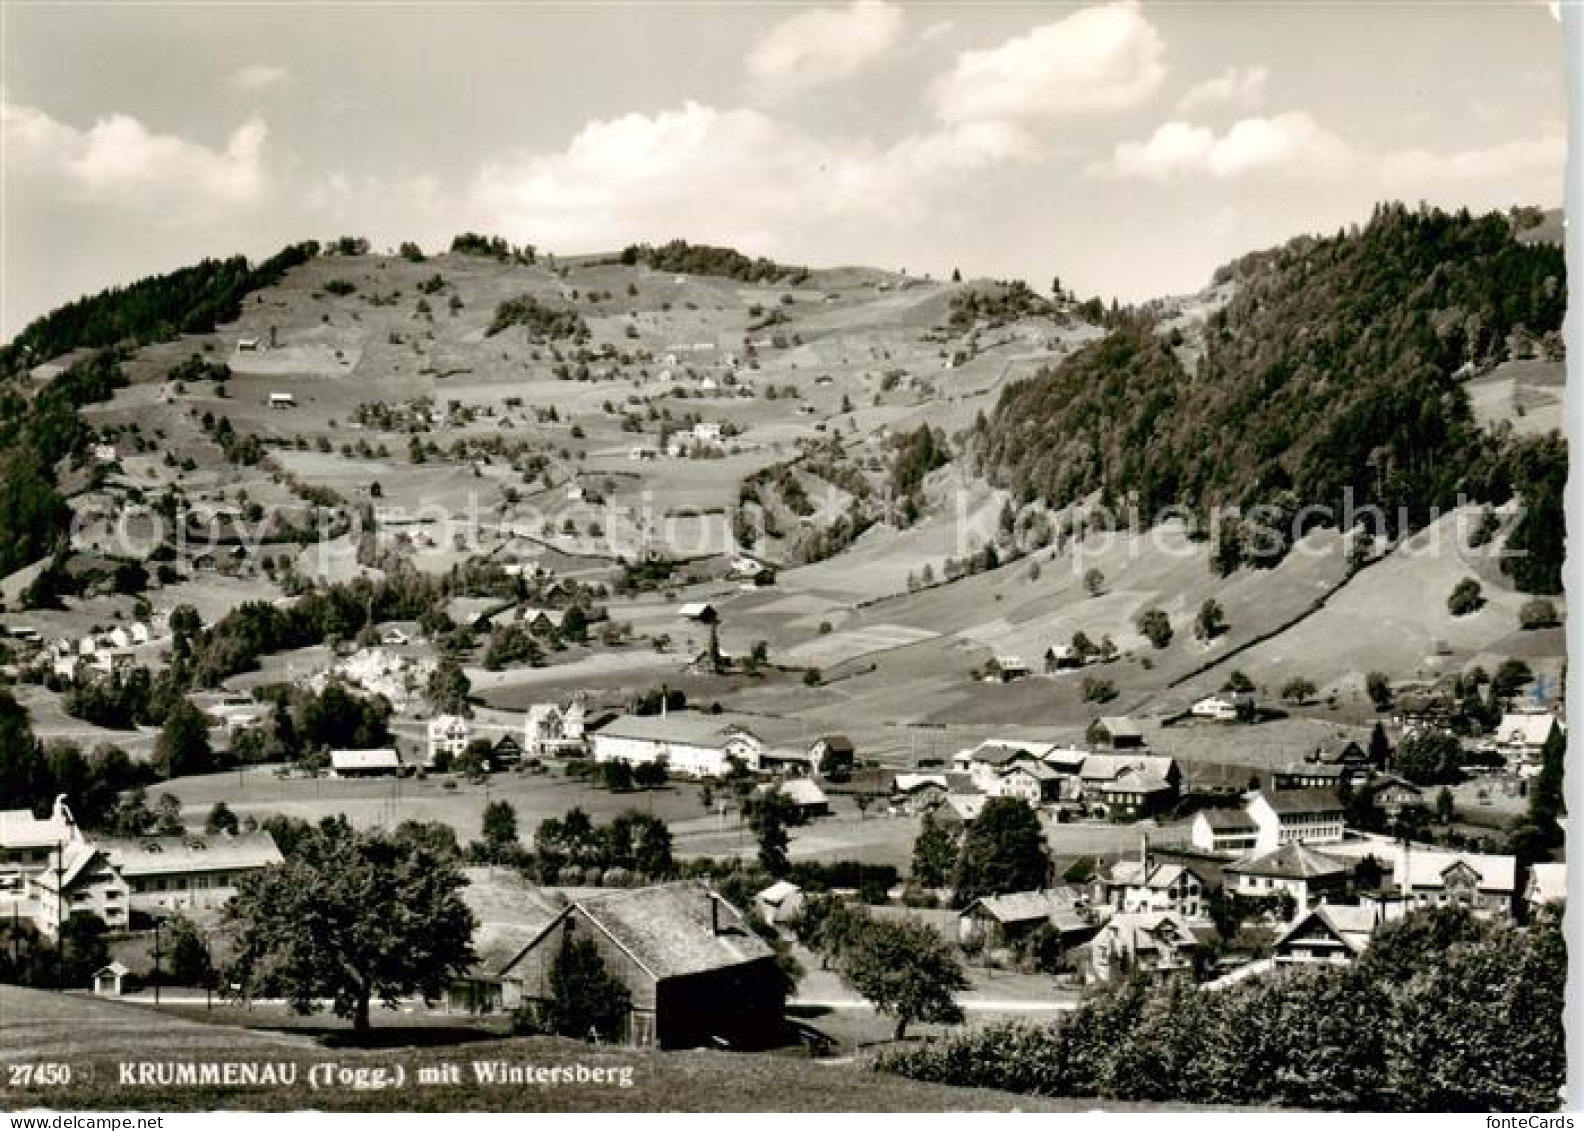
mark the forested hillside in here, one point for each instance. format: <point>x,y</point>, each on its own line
<point>186,301</point>
<point>1337,364</point>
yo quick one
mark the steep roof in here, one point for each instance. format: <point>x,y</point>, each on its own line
<point>1120,726</point>
<point>1155,874</point>
<point>1291,862</point>
<point>778,893</point>
<point>804,791</point>
<point>1350,925</point>
<point>1525,729</point>
<point>19,828</point>
<point>669,930</point>
<point>511,913</point>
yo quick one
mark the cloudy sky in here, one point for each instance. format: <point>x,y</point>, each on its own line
<point>1128,148</point>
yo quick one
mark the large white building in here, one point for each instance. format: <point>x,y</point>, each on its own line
<point>1295,816</point>
<point>687,742</point>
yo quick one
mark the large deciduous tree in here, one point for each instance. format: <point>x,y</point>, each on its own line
<point>351,916</point>
<point>1003,850</point>
<point>906,970</point>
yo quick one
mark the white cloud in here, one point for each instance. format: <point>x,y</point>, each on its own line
<point>1096,61</point>
<point>1240,88</point>
<point>259,76</point>
<point>824,45</point>
<point>118,161</point>
<point>1519,157</point>
<point>1292,146</point>
<point>731,175</point>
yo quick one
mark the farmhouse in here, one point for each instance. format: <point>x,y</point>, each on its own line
<point>381,763</point>
<point>1123,786</point>
<point>510,914</point>
<point>698,975</point>
<point>1224,707</point>
<point>1116,732</point>
<point>448,738</point>
<point>687,742</point>
<point>171,873</point>
<point>996,921</point>
<point>282,400</point>
<point>1005,669</point>
<point>836,747</point>
<point>1287,816</point>
<point>1294,868</point>
<point>1223,830</point>
<point>1059,657</point>
<point>1328,933</point>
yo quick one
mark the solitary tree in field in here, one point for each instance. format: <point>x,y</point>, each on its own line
<point>934,853</point>
<point>1094,582</point>
<point>769,813</point>
<point>1211,621</point>
<point>351,916</point>
<point>1298,691</point>
<point>183,743</point>
<point>500,829</point>
<point>1155,626</point>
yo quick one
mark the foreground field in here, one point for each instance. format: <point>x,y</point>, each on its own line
<point>96,1038</point>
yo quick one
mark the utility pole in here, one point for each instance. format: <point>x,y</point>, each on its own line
<point>158,976</point>
<point>60,904</point>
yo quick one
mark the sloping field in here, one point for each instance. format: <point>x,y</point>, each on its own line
<point>1526,394</point>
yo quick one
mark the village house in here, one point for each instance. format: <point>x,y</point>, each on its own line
<point>1343,752</point>
<point>380,763</point>
<point>448,738</point>
<point>1294,869</point>
<point>1392,795</point>
<point>506,751</point>
<point>688,742</point>
<point>1149,883</point>
<point>1287,816</point>
<point>189,872</point>
<point>1327,933</point>
<point>556,730</point>
<point>28,844</point>
<point>995,922</point>
<point>1223,830</point>
<point>986,762</point>
<point>1522,735</point>
<point>696,973</point>
<point>837,747</point>
<point>1034,782</point>
<point>1155,943</point>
